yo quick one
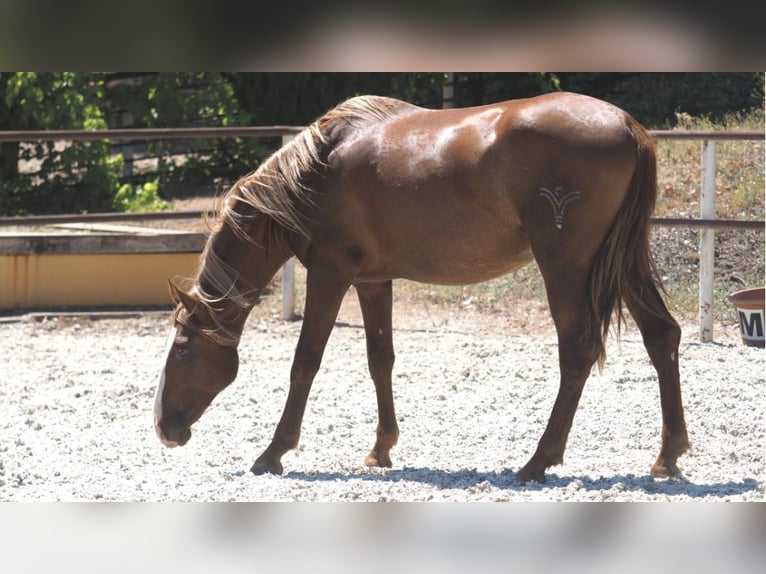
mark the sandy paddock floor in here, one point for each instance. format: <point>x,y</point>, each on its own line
<point>77,396</point>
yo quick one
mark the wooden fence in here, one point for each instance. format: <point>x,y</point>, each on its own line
<point>707,221</point>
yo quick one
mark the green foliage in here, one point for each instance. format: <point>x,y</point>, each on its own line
<point>749,194</point>
<point>186,99</point>
<point>299,98</point>
<point>57,177</point>
<point>655,99</point>
<point>54,177</point>
<point>739,169</point>
<point>140,198</point>
<point>174,99</point>
<point>477,88</point>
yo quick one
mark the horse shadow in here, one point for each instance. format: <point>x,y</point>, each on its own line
<point>506,480</point>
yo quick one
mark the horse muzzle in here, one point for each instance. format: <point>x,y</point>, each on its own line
<point>173,437</point>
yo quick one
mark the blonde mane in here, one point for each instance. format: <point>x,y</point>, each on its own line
<point>217,287</point>
<point>278,187</point>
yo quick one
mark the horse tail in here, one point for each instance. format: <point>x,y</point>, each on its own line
<point>623,265</point>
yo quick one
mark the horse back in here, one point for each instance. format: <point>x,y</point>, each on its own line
<point>486,149</point>
<point>456,196</point>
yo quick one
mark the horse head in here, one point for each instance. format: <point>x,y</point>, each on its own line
<point>198,365</point>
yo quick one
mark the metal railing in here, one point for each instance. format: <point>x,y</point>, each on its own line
<point>149,133</point>
<point>707,221</point>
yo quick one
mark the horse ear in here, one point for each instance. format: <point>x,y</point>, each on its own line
<point>173,290</point>
<point>178,295</point>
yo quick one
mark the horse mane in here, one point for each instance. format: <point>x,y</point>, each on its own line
<point>363,110</point>
<point>279,186</point>
<point>217,285</point>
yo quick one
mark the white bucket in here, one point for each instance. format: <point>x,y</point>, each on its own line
<point>749,305</point>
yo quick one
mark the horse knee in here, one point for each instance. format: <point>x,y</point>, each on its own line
<point>380,362</point>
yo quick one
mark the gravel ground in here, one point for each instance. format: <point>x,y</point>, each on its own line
<point>77,399</point>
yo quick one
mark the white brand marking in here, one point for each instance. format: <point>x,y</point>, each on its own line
<point>559,201</point>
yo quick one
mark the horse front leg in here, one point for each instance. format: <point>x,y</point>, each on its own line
<point>324,295</point>
<point>375,300</point>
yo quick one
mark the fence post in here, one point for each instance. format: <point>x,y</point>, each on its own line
<point>288,273</point>
<point>707,242</point>
<point>288,290</point>
<point>448,90</point>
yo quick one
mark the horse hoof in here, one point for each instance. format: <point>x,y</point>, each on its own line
<point>528,475</point>
<point>662,470</point>
<point>380,461</point>
<point>260,467</point>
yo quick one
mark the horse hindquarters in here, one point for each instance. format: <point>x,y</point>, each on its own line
<point>582,302</point>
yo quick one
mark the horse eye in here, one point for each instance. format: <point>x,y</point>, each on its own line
<point>182,352</point>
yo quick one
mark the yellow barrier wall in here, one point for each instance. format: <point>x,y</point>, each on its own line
<point>46,281</point>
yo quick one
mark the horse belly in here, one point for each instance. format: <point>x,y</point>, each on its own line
<point>461,272</point>
<point>455,255</point>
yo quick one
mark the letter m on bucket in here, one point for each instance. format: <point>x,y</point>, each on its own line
<point>751,323</point>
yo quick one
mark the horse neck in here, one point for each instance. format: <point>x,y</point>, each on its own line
<point>235,270</point>
<point>262,253</point>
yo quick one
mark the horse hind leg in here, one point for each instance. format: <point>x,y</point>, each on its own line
<point>662,335</point>
<point>375,300</point>
<point>577,355</point>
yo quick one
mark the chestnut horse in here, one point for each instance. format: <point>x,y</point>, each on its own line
<point>378,189</point>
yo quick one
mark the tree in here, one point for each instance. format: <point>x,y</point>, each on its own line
<point>299,98</point>
<point>184,99</point>
<point>654,98</point>
<point>478,88</point>
<point>54,177</point>
<point>48,177</point>
<point>70,177</point>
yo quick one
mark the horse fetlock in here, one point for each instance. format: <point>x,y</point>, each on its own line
<point>538,464</point>
<point>665,468</point>
<point>676,445</point>
<point>386,439</point>
<point>379,455</point>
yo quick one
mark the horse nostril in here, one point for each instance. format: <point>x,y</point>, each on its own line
<point>164,439</point>
<point>183,436</point>
<point>177,436</point>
